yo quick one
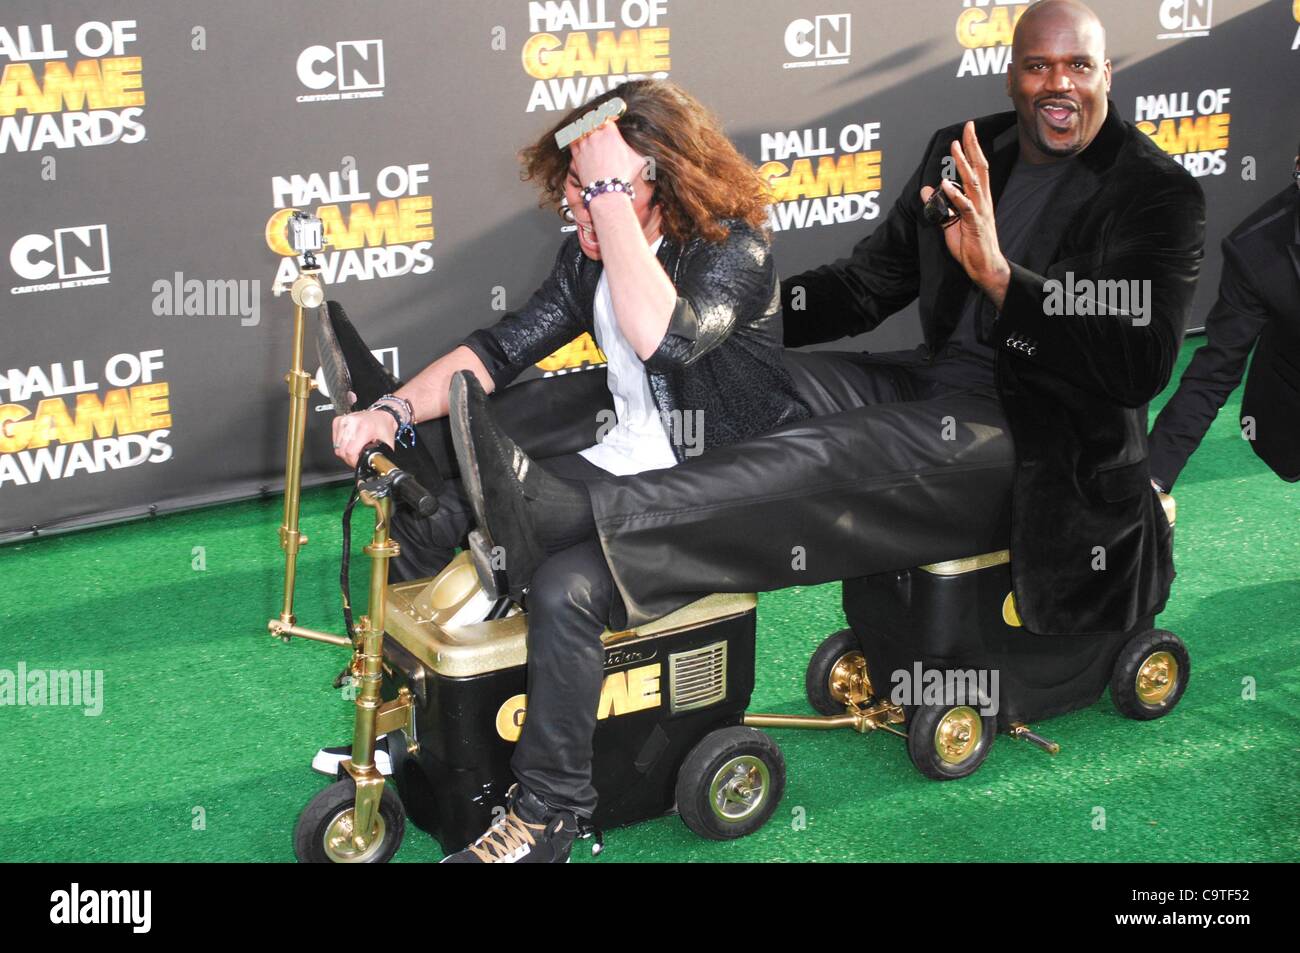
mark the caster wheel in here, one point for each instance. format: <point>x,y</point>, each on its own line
<point>837,675</point>
<point>323,834</point>
<point>730,783</point>
<point>948,741</point>
<point>1150,675</point>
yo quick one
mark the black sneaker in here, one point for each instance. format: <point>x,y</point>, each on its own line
<point>329,761</point>
<point>528,833</point>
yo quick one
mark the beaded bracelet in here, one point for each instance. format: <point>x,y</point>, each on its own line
<point>405,435</point>
<point>601,186</point>
<point>402,404</point>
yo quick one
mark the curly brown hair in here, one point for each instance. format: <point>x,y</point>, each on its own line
<point>700,177</point>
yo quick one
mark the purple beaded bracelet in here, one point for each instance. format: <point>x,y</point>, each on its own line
<point>601,186</point>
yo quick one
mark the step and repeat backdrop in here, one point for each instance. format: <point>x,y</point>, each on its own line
<point>150,153</point>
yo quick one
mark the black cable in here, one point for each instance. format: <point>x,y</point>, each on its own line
<point>346,563</point>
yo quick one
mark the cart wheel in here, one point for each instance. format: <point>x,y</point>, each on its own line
<point>323,834</point>
<point>730,783</point>
<point>949,741</point>
<point>837,675</point>
<point>1150,675</point>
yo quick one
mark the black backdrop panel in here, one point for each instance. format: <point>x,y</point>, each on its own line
<point>148,150</point>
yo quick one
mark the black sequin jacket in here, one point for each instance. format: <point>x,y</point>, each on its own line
<point>720,355</point>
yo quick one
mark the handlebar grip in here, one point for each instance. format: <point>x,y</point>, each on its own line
<point>408,488</point>
<point>414,495</point>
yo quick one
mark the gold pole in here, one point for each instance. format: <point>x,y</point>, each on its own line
<point>825,722</point>
<point>370,783</point>
<point>306,293</point>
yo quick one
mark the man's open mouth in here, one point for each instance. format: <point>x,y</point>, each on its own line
<point>588,234</point>
<point>1059,114</point>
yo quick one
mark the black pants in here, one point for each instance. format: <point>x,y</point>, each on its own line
<point>909,462</point>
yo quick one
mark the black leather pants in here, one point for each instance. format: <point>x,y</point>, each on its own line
<point>570,602</point>
<point>908,463</point>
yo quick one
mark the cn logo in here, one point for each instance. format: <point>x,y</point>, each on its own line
<point>825,38</point>
<point>69,255</point>
<point>350,66</point>
<point>1183,18</point>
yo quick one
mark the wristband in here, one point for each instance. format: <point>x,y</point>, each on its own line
<point>405,435</point>
<point>601,186</point>
<point>402,405</point>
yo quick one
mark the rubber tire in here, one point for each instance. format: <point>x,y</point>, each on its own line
<point>309,832</point>
<point>815,683</point>
<point>706,758</point>
<point>921,724</point>
<point>1123,687</point>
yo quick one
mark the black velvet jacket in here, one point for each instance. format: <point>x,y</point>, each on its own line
<point>721,354</point>
<point>1074,386</point>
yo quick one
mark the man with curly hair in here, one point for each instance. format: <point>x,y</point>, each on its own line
<point>672,274</point>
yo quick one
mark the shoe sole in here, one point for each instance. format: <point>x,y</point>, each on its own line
<point>464,446</point>
<point>331,765</point>
<point>462,439</point>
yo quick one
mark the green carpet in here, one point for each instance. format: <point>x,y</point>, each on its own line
<point>208,725</point>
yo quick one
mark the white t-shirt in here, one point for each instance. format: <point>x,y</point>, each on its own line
<point>639,440</point>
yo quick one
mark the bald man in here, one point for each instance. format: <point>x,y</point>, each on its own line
<point>1052,302</point>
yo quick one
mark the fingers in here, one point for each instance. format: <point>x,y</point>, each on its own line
<point>342,433</point>
<point>969,178</point>
<point>926,192</point>
<point>959,199</point>
<point>350,438</point>
<point>974,150</point>
<point>972,165</point>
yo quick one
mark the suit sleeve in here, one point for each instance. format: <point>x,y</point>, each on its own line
<point>1124,353</point>
<point>551,318</point>
<point>882,275</point>
<point>721,286</point>
<point>1232,328</point>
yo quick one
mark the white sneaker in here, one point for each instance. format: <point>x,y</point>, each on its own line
<point>329,761</point>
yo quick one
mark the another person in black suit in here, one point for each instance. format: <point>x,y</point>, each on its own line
<point>1259,300</point>
<point>1024,414</point>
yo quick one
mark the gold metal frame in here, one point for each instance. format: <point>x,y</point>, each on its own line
<point>353,834</point>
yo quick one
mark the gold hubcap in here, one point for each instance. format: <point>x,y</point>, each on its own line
<point>849,683</point>
<point>339,846</point>
<point>739,788</point>
<point>958,734</point>
<point>1157,678</point>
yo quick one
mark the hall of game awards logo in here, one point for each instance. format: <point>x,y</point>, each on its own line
<point>1180,19</point>
<point>1192,128</point>
<point>379,233</point>
<point>56,423</point>
<point>817,179</point>
<point>350,69</point>
<point>821,41</point>
<point>46,100</point>
<point>578,49</point>
<point>984,29</point>
<point>71,257</point>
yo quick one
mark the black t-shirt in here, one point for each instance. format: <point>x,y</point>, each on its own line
<point>965,360</point>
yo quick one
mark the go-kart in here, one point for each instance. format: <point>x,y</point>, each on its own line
<point>439,665</point>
